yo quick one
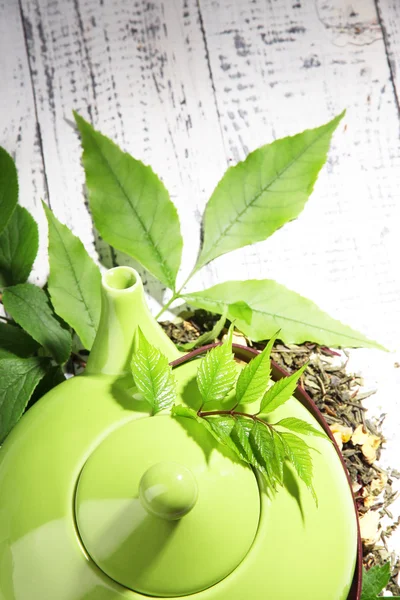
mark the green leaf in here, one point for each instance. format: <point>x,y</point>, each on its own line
<point>153,376</point>
<point>269,453</point>
<point>217,372</point>
<point>18,379</point>
<point>209,336</point>
<point>179,410</point>
<point>131,207</point>
<point>253,379</point>
<point>299,426</point>
<point>280,392</point>
<point>19,243</point>
<point>240,310</point>
<point>221,428</point>
<point>74,282</point>
<point>16,341</point>
<point>8,188</point>
<point>31,309</point>
<point>240,436</point>
<point>265,191</point>
<point>6,354</point>
<point>374,581</point>
<point>275,307</point>
<point>298,454</point>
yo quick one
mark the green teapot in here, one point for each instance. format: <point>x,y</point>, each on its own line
<point>100,501</point>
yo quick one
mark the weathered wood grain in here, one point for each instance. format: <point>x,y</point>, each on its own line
<point>279,67</point>
<point>19,133</point>
<point>139,72</point>
<point>389,18</point>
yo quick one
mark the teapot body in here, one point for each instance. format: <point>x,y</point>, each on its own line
<point>271,546</point>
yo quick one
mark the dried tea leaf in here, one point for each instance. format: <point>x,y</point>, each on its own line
<point>378,484</point>
<point>338,439</point>
<point>360,436</point>
<point>345,433</point>
<point>369,527</point>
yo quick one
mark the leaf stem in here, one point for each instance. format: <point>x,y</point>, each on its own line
<point>174,297</point>
<point>176,294</point>
<point>232,413</point>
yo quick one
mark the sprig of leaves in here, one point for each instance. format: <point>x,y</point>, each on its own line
<point>256,441</point>
<point>254,198</point>
<point>263,445</point>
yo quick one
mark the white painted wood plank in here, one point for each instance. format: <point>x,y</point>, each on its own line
<point>282,66</point>
<point>19,133</point>
<point>139,71</point>
<point>389,17</point>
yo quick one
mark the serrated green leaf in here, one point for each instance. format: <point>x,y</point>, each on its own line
<point>240,436</point>
<point>221,428</point>
<point>280,392</point>
<point>16,341</point>
<point>8,188</point>
<point>374,581</point>
<point>179,410</point>
<point>276,307</point>
<point>18,379</point>
<point>31,309</point>
<point>131,207</point>
<point>74,281</point>
<point>299,426</point>
<point>269,455</point>
<point>265,191</point>
<point>19,243</point>
<point>254,377</point>
<point>217,372</point>
<point>153,375</point>
<point>209,336</point>
<point>298,454</point>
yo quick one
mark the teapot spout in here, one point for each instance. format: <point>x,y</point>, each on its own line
<point>123,310</point>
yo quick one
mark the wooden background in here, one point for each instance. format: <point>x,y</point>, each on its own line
<point>191,86</point>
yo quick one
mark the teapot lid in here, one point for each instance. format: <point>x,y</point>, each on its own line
<point>164,516</point>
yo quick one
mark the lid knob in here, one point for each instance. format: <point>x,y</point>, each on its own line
<point>168,490</point>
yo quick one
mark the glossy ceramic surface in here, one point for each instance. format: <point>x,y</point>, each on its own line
<point>52,465</point>
<point>152,554</point>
